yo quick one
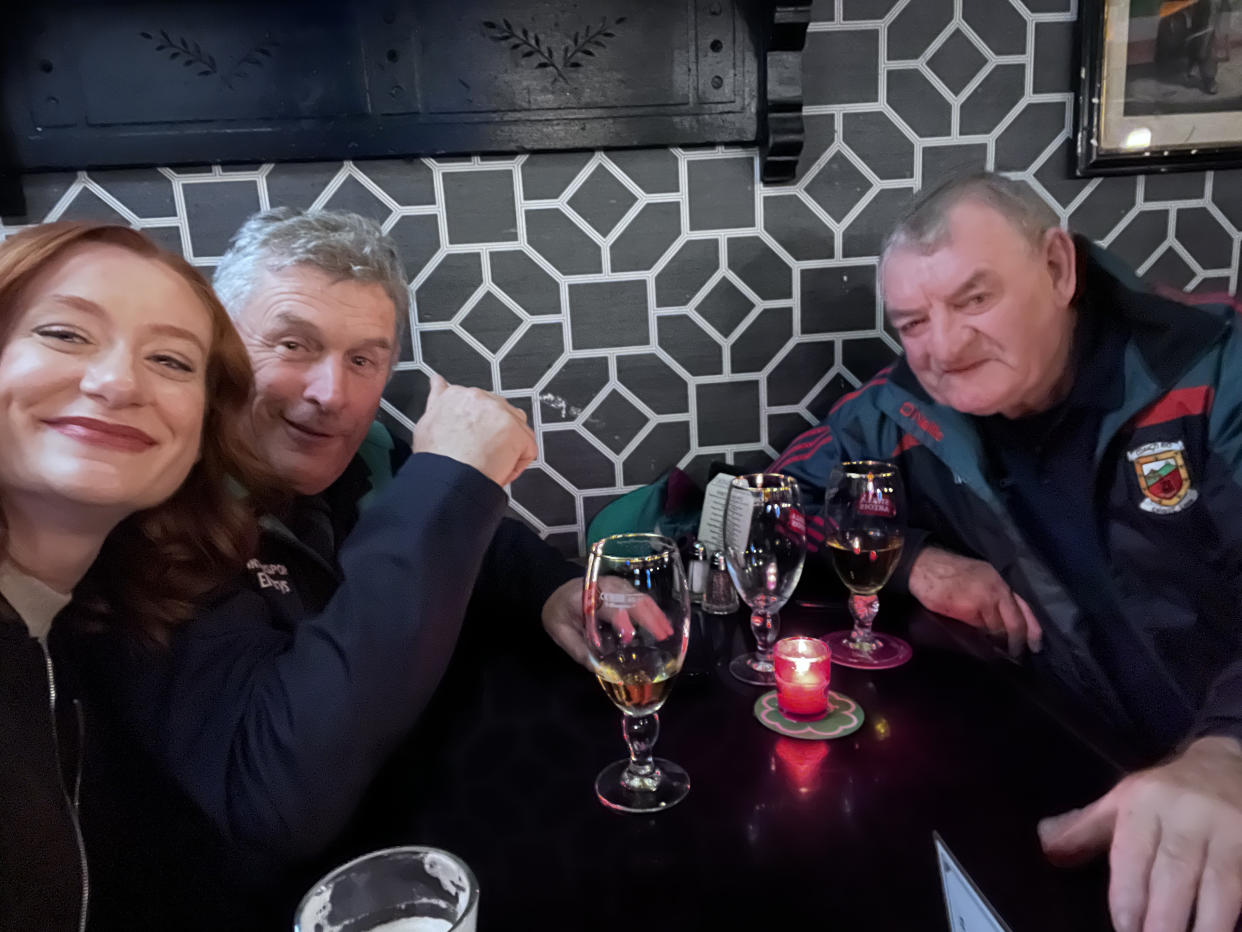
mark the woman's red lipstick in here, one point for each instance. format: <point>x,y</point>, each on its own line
<point>102,433</point>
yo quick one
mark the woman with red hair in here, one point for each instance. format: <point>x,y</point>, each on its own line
<point>120,381</point>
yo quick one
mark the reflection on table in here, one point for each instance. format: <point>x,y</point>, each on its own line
<point>775,830</point>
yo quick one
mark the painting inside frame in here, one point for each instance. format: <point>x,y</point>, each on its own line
<point>1162,85</point>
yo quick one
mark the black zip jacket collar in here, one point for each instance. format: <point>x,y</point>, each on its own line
<point>44,882</point>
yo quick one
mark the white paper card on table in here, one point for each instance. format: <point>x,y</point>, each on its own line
<point>969,910</point>
<point>739,513</point>
<point>712,520</point>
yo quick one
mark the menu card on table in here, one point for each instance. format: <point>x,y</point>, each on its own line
<point>712,520</point>
<point>969,910</point>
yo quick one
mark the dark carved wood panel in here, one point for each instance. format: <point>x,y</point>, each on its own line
<point>122,83</point>
<point>781,142</point>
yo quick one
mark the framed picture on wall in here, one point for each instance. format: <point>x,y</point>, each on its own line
<point>1161,86</point>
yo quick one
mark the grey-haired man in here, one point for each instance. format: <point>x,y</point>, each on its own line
<point>275,708</point>
<point>1076,442</point>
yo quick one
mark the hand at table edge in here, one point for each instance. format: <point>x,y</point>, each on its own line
<point>1174,836</point>
<point>973,592</point>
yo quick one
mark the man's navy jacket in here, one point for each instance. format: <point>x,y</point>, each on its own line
<point>277,705</point>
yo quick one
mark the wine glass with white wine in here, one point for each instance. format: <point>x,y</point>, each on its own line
<point>637,608</point>
<point>864,528</point>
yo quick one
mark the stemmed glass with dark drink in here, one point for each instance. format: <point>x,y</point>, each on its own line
<point>864,529</point>
<point>637,607</point>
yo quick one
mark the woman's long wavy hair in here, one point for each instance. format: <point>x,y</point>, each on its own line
<point>157,563</point>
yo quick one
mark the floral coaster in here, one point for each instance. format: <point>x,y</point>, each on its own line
<point>844,717</point>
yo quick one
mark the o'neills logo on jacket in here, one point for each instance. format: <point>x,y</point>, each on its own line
<point>268,575</point>
<point>1162,477</point>
<point>910,411</point>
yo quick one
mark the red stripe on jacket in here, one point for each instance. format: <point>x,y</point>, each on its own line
<point>1183,297</point>
<point>801,451</point>
<point>807,439</point>
<point>814,533</point>
<point>1181,402</point>
<point>907,442</point>
<point>878,379</point>
<point>807,444</point>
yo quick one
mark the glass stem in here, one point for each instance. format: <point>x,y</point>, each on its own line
<point>864,609</point>
<point>766,628</point>
<point>641,732</point>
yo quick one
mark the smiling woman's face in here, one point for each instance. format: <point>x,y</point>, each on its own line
<point>102,383</point>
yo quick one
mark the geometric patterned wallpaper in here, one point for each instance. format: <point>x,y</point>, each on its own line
<point>652,308</point>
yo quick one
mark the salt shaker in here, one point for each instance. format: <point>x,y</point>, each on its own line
<point>719,598</point>
<point>698,571</point>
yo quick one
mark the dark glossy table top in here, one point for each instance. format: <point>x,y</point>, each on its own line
<point>776,831</point>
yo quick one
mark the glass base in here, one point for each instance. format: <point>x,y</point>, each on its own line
<point>666,789</point>
<point>885,652</point>
<point>753,669</point>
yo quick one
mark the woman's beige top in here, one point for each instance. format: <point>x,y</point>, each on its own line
<point>36,602</point>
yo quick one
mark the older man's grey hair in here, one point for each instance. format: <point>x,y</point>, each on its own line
<point>925,226</point>
<point>344,246</point>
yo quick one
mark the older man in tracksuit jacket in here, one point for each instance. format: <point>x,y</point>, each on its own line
<point>1174,543</point>
<point>1114,512</point>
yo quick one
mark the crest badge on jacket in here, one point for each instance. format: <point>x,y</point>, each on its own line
<point>1162,477</point>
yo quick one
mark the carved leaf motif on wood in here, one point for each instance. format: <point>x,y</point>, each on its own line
<point>543,54</point>
<point>191,55</point>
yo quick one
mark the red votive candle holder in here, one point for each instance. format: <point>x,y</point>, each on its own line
<point>802,675</point>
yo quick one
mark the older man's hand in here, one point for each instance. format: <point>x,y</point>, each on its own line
<point>564,621</point>
<point>476,428</point>
<point>972,591</point>
<point>1174,835</point>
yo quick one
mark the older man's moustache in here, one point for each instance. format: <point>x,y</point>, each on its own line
<point>959,367</point>
<point>313,427</point>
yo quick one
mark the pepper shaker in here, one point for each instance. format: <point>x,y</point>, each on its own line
<point>720,597</point>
